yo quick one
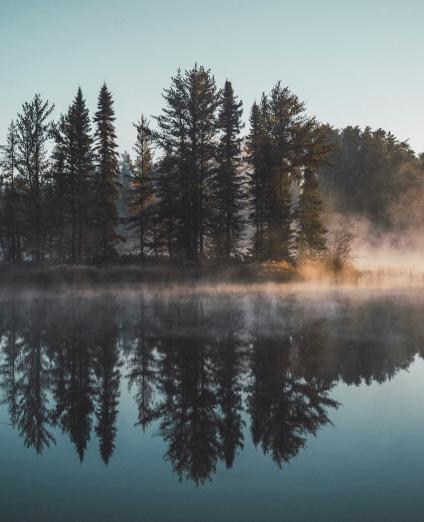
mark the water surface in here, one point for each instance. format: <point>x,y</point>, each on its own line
<point>204,406</point>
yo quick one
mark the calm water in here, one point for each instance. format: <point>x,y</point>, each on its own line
<point>212,407</point>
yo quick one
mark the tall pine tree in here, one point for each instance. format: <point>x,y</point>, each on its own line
<point>187,136</point>
<point>11,209</point>
<point>229,189</point>
<point>256,147</point>
<point>72,174</point>
<point>104,209</point>
<point>80,165</point>
<point>34,130</point>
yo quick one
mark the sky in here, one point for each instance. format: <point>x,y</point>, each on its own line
<point>351,62</point>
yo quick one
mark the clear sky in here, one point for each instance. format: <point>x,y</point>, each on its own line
<point>351,61</point>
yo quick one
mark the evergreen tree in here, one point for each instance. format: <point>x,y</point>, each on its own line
<point>311,231</point>
<point>11,209</point>
<point>372,174</point>
<point>59,189</point>
<point>122,201</point>
<point>228,194</point>
<point>167,221</point>
<point>187,132</point>
<point>141,199</point>
<point>80,167</point>
<point>283,144</point>
<point>33,131</point>
<point>105,212</point>
<point>124,181</point>
<point>256,147</point>
<point>286,121</point>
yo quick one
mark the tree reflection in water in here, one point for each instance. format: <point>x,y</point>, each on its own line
<point>206,369</point>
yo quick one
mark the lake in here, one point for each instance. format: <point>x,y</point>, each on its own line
<point>202,404</point>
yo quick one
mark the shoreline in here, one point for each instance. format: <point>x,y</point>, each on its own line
<point>253,278</point>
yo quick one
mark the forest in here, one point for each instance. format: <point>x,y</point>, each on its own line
<point>197,186</point>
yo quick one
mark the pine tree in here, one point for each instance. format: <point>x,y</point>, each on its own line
<point>270,152</point>
<point>72,181</point>
<point>34,130</point>
<point>228,193</point>
<point>167,220</point>
<point>286,123</point>
<point>80,168</point>
<point>257,180</point>
<point>106,177</point>
<point>187,132</point>
<point>202,104</point>
<point>141,188</point>
<point>311,232</point>
<point>283,145</point>
<point>11,211</point>
<point>58,189</point>
<point>171,182</point>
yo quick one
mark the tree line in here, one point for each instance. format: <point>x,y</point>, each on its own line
<point>372,174</point>
<point>194,188</point>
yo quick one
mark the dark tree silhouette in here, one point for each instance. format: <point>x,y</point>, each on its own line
<point>141,191</point>
<point>189,419</point>
<point>33,132</point>
<point>73,177</point>
<point>229,189</point>
<point>34,416</point>
<point>143,368</point>
<point>104,212</point>
<point>187,131</point>
<point>106,363</point>
<point>11,224</point>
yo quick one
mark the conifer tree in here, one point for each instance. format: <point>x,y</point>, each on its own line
<point>171,185</point>
<point>257,180</point>
<point>11,223</point>
<point>228,193</point>
<point>202,103</point>
<point>141,199</point>
<point>34,130</point>
<point>124,181</point>
<point>311,232</point>
<point>283,147</point>
<point>286,123</point>
<point>168,225</point>
<point>72,180</point>
<point>310,240</point>
<point>58,189</point>
<point>187,131</point>
<point>80,168</point>
<point>105,213</point>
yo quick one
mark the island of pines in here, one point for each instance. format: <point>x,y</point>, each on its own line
<point>201,192</point>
